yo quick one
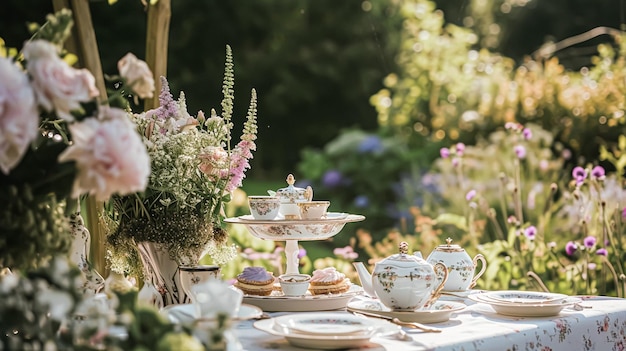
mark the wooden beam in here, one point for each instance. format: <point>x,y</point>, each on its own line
<point>157,37</point>
<point>83,44</point>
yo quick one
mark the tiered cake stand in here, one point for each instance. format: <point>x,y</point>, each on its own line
<point>292,231</point>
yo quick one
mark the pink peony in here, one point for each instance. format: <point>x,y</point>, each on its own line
<point>19,118</point>
<point>58,87</point>
<point>109,155</point>
<point>137,74</point>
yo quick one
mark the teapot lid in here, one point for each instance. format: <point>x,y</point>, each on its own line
<point>293,193</point>
<point>403,256</point>
<point>449,247</point>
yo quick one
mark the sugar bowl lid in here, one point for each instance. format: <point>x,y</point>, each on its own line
<point>449,247</point>
<point>292,193</point>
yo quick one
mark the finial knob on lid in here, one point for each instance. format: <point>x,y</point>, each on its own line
<point>403,248</point>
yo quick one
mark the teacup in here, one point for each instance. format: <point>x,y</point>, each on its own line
<point>194,275</point>
<point>263,207</point>
<point>294,284</point>
<point>313,209</point>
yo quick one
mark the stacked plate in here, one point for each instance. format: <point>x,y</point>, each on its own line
<point>439,312</point>
<point>525,303</point>
<point>326,331</point>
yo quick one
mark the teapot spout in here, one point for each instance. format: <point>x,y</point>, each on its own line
<point>365,277</point>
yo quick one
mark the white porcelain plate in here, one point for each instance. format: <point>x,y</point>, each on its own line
<point>524,297</point>
<point>186,313</point>
<point>296,229</point>
<point>526,309</point>
<point>326,324</point>
<point>439,312</point>
<point>327,341</point>
<point>277,302</point>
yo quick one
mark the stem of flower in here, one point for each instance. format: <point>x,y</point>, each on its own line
<point>537,279</point>
<point>620,290</point>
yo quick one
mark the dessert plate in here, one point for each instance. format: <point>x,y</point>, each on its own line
<point>277,302</point>
<point>524,297</point>
<point>526,309</point>
<point>326,324</point>
<point>186,313</point>
<point>439,312</point>
<point>328,341</point>
<point>296,229</point>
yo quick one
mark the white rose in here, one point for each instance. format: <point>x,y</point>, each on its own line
<point>19,118</point>
<point>109,155</point>
<point>138,75</point>
<point>58,87</point>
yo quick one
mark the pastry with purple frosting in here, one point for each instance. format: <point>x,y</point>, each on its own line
<point>255,281</point>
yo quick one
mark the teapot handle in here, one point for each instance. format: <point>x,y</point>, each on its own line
<point>483,268</point>
<point>438,267</point>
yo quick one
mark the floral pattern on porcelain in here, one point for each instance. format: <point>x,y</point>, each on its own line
<point>461,267</point>
<point>406,282</point>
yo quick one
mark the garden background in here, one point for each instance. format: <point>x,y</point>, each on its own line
<point>357,99</point>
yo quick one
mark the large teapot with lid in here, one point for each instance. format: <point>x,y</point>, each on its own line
<point>404,282</point>
<point>461,266</point>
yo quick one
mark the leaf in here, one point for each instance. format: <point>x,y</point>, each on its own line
<point>452,219</point>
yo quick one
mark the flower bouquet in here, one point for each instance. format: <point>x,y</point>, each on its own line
<point>179,217</point>
<point>58,141</point>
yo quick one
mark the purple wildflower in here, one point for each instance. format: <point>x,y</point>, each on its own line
<point>470,195</point>
<point>591,266</point>
<point>527,133</point>
<point>520,152</point>
<point>456,161</point>
<point>589,241</point>
<point>332,178</point>
<point>346,252</point>
<point>444,152</point>
<point>301,253</point>
<point>371,144</point>
<point>551,245</point>
<point>530,232</point>
<point>460,148</point>
<point>597,172</point>
<point>579,174</point>
<point>624,213</point>
<point>570,248</point>
<point>361,201</point>
<point>602,252</point>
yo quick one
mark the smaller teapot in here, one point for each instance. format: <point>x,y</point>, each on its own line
<point>290,197</point>
<point>404,282</point>
<point>461,266</point>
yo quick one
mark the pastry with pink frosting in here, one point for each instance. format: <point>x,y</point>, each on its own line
<point>328,281</point>
<point>255,281</point>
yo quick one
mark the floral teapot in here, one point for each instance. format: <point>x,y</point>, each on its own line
<point>461,266</point>
<point>290,197</point>
<point>404,282</point>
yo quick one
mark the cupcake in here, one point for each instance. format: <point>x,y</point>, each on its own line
<point>255,281</point>
<point>328,281</point>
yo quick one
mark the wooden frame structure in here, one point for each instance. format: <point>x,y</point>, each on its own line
<point>83,43</point>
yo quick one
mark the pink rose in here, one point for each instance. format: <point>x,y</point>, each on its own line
<point>58,87</point>
<point>109,155</point>
<point>138,75</point>
<point>19,118</point>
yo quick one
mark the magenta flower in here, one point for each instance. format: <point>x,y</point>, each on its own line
<point>520,151</point>
<point>602,252</point>
<point>530,232</point>
<point>579,174</point>
<point>527,133</point>
<point>570,248</point>
<point>460,148</point>
<point>444,152</point>
<point>624,213</point>
<point>470,195</point>
<point>589,241</point>
<point>346,252</point>
<point>597,172</point>
<point>456,162</point>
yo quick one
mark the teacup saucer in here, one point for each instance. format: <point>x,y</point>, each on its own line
<point>458,295</point>
<point>439,312</point>
<point>186,313</point>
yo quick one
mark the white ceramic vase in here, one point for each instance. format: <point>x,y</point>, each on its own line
<point>93,282</point>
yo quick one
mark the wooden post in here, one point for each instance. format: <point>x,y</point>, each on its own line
<point>83,43</point>
<point>157,38</point>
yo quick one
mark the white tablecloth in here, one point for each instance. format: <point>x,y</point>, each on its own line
<point>478,328</point>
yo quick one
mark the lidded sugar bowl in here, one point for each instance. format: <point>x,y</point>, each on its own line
<point>290,196</point>
<point>461,267</point>
<point>404,282</point>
